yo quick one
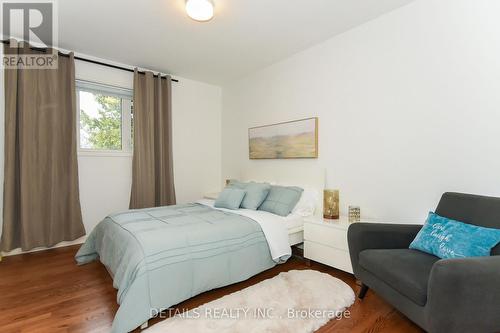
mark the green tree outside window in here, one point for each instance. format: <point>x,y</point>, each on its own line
<point>104,130</point>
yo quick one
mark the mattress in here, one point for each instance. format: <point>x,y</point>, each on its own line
<point>293,221</point>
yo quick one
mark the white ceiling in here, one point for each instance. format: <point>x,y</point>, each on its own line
<point>244,35</point>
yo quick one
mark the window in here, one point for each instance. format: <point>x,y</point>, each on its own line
<point>104,118</point>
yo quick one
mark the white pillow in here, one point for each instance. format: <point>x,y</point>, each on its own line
<point>307,203</point>
<point>270,182</point>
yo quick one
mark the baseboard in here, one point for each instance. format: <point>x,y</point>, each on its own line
<point>14,252</point>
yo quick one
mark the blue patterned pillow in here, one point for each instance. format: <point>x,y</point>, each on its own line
<point>446,238</point>
<point>255,195</point>
<point>230,198</point>
<point>237,184</point>
<point>281,199</point>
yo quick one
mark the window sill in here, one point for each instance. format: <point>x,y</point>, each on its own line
<point>104,153</point>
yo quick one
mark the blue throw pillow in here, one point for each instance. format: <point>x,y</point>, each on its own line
<point>446,238</point>
<point>230,198</point>
<point>255,193</point>
<point>237,184</point>
<point>281,200</point>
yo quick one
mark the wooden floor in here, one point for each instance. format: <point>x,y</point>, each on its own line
<point>47,292</point>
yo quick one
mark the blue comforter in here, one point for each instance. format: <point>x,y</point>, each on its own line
<point>159,257</point>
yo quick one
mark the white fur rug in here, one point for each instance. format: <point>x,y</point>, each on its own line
<point>297,301</point>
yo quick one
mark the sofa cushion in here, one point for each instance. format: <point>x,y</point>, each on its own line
<point>405,270</point>
<point>472,209</point>
<point>448,238</point>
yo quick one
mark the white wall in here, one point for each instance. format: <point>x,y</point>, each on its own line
<point>408,107</point>
<point>196,115</point>
<point>105,180</point>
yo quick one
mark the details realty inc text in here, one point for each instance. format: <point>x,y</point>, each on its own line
<point>248,313</point>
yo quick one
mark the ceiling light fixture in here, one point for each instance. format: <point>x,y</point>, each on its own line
<point>200,10</point>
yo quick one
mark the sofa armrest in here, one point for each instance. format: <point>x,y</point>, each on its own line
<point>362,236</point>
<point>464,295</point>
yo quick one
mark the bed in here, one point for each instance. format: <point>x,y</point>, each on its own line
<point>159,257</point>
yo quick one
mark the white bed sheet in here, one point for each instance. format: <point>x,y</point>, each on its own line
<point>293,221</point>
<point>274,227</point>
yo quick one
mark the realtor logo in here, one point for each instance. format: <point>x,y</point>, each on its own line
<point>32,22</point>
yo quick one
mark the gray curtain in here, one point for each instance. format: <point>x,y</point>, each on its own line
<point>152,166</point>
<point>41,198</point>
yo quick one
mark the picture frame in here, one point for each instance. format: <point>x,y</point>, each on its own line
<point>294,139</point>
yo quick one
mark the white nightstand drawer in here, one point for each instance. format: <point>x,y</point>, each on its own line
<point>326,235</point>
<point>328,256</point>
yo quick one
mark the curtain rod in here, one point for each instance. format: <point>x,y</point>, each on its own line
<point>89,60</point>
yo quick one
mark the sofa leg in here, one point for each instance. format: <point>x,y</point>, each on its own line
<point>362,291</point>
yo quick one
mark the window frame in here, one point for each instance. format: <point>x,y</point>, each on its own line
<point>126,96</point>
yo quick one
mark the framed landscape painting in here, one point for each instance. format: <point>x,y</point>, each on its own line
<point>292,139</point>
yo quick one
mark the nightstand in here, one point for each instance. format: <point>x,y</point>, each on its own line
<point>325,241</point>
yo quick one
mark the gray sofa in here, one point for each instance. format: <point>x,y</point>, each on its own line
<point>440,295</point>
